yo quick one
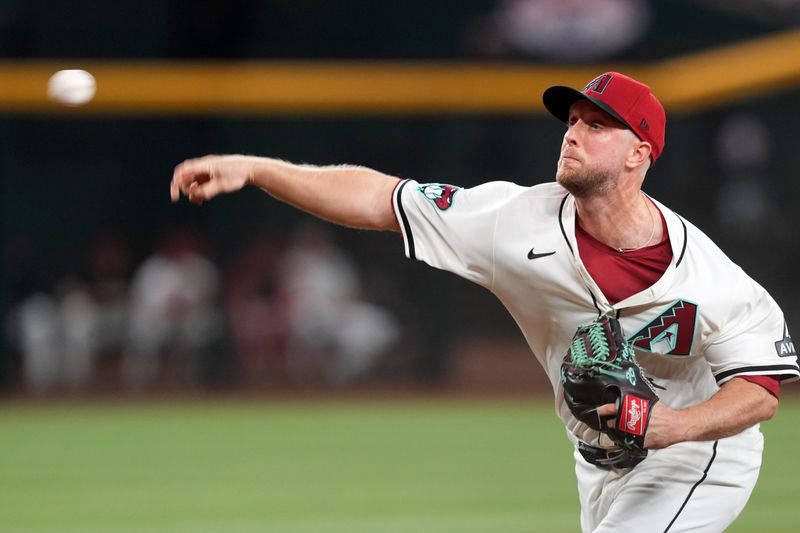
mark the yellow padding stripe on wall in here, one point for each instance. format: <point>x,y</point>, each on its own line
<point>684,84</point>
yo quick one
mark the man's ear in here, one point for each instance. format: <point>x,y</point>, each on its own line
<point>640,154</point>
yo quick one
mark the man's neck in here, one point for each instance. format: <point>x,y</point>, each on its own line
<point>622,219</point>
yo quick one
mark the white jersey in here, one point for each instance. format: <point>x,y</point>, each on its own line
<point>704,322</point>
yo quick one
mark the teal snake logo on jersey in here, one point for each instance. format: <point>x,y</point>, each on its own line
<point>440,194</point>
<point>671,333</point>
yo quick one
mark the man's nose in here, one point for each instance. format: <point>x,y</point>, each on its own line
<point>571,136</point>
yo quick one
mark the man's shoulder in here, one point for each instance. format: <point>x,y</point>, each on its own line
<point>507,198</point>
<point>697,237</point>
<point>710,259</point>
<point>549,189</point>
<point>508,189</point>
<point>684,230</point>
<point>485,197</point>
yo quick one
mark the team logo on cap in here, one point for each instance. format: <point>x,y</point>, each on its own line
<point>440,194</point>
<point>599,84</point>
<point>671,333</point>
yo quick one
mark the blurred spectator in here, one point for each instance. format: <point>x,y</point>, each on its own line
<point>174,311</point>
<point>56,338</point>
<point>559,30</point>
<point>257,312</point>
<point>110,268</point>
<point>60,335</point>
<point>25,314</point>
<point>79,321</point>
<point>334,334</point>
<point>39,340</point>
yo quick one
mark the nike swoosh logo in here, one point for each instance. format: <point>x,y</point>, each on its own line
<point>532,255</point>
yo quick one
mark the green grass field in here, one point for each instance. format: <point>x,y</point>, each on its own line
<point>366,465</point>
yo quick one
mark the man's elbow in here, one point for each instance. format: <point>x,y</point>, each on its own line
<point>760,402</point>
<point>768,407</point>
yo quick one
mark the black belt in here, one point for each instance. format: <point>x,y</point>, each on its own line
<point>607,459</point>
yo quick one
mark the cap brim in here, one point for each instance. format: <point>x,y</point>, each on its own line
<point>559,99</point>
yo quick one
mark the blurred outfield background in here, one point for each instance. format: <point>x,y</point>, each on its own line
<point>369,465</point>
<point>445,91</point>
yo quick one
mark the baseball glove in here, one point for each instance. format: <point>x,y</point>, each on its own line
<point>600,368</point>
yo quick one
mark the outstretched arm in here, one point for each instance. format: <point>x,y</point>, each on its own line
<point>346,195</point>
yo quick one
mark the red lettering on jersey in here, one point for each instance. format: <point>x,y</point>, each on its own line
<point>671,333</point>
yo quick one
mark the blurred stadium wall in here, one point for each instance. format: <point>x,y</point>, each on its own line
<point>444,98</point>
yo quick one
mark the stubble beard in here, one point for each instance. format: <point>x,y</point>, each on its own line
<point>583,183</point>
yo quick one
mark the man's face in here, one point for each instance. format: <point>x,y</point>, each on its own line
<point>593,151</point>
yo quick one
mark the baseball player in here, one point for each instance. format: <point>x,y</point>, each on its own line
<point>712,342</point>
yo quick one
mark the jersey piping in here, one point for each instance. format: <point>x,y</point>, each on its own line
<point>688,497</point>
<point>409,237</point>
<point>566,240</point>
<point>561,223</point>
<point>685,240</point>
<point>758,370</point>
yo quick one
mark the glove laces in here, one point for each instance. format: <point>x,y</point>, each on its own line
<point>601,352</point>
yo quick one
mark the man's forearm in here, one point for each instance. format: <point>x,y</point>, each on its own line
<point>738,405</point>
<point>346,195</point>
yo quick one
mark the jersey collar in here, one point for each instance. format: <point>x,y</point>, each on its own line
<point>677,231</point>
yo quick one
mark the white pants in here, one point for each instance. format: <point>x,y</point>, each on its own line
<point>691,486</point>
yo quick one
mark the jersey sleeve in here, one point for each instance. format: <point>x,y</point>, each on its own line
<point>452,228</point>
<point>755,343</point>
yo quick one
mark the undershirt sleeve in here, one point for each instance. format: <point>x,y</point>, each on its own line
<point>771,383</point>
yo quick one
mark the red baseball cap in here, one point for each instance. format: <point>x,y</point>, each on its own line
<point>627,100</point>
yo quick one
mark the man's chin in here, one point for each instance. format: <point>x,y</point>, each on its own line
<point>581,185</point>
<point>568,180</point>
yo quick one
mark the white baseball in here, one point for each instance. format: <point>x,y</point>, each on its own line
<point>72,88</point>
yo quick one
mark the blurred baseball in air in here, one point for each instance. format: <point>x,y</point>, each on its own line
<point>71,88</point>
